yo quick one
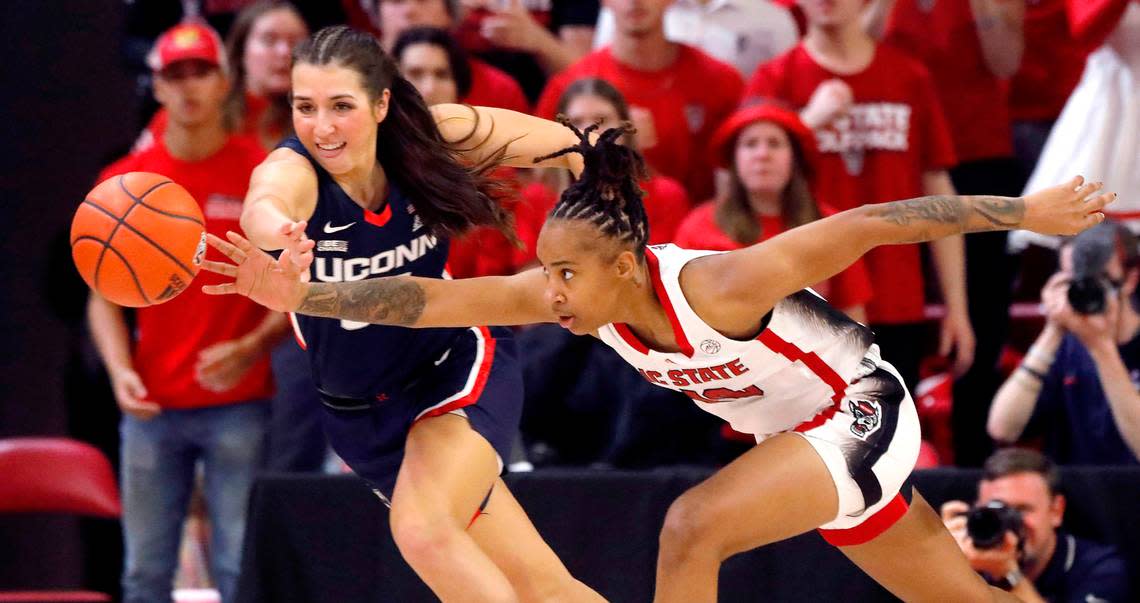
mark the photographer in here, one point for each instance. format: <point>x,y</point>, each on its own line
<point>1011,536</point>
<point>1077,385</point>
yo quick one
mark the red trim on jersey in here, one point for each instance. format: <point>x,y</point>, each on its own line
<point>871,527</point>
<point>379,219</point>
<point>655,275</point>
<point>480,380</point>
<point>631,339</point>
<point>817,365</point>
<point>295,327</point>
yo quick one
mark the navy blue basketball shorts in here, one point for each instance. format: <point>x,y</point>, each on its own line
<point>478,377</point>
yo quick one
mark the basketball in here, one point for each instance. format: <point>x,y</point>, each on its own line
<point>138,239</point>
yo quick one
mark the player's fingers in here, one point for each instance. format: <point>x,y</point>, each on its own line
<point>1100,201</point>
<point>220,268</point>
<point>1075,183</point>
<point>226,248</point>
<point>223,289</point>
<point>240,242</point>
<point>1092,220</point>
<point>1089,188</point>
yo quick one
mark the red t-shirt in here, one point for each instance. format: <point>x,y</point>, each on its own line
<point>170,335</point>
<point>1051,65</point>
<point>699,230</point>
<point>491,87</point>
<point>943,36</point>
<point>666,204</point>
<point>894,133</point>
<point>688,100</point>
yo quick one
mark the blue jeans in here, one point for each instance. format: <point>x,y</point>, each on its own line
<point>158,459</point>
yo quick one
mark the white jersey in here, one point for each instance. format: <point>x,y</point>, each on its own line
<point>793,374</point>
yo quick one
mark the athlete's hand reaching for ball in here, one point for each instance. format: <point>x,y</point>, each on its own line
<point>300,246</point>
<point>275,284</point>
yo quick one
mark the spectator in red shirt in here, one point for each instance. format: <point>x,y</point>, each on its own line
<point>193,381</point>
<point>881,136</point>
<point>677,93</point>
<point>1051,66</point>
<point>431,59</point>
<point>972,49</point>
<point>259,55</point>
<point>490,87</point>
<point>767,151</point>
<point>529,39</point>
<point>591,101</point>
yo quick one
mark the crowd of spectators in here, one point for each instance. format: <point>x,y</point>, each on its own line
<point>755,116</point>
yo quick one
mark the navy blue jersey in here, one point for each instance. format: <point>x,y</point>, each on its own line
<point>352,359</point>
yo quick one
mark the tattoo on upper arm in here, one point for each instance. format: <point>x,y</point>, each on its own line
<point>387,301</point>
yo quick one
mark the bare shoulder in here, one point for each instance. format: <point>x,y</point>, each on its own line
<point>712,285</point>
<point>289,179</point>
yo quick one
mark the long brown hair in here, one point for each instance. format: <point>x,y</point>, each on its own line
<point>277,119</point>
<point>449,196</point>
<point>734,214</point>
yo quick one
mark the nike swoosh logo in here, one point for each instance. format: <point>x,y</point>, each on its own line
<point>444,357</point>
<point>329,228</point>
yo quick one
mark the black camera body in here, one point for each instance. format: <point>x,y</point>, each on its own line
<point>987,524</point>
<point>1092,250</point>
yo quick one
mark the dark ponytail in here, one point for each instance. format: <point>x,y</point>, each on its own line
<point>606,194</point>
<point>449,196</point>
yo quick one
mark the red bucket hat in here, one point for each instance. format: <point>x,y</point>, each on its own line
<point>725,135</point>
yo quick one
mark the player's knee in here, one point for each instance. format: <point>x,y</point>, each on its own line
<point>688,525</point>
<point>420,537</point>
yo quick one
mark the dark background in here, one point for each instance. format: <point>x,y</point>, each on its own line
<point>68,107</point>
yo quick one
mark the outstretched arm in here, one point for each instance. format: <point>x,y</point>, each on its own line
<point>756,277</point>
<point>405,301</point>
<point>477,133</point>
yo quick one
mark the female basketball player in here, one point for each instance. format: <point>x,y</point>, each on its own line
<point>738,334</point>
<point>426,417</point>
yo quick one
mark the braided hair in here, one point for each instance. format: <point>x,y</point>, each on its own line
<point>607,194</point>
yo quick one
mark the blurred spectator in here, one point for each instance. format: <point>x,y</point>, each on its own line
<point>1078,383</point>
<point>768,152</point>
<point>489,86</point>
<point>586,102</point>
<point>434,63</point>
<point>259,54</point>
<point>1098,133</point>
<point>742,33</point>
<point>882,136</point>
<point>677,94</point>
<point>972,49</point>
<point>1051,66</point>
<point>194,379</point>
<point>529,39</point>
<point>145,19</point>
<point>1032,558</point>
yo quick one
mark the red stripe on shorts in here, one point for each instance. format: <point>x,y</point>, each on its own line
<point>871,527</point>
<point>480,380</point>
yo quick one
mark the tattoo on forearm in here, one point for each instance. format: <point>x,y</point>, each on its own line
<point>386,301</point>
<point>955,214</point>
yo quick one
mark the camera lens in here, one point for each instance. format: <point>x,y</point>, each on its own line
<point>1086,295</point>
<point>988,524</point>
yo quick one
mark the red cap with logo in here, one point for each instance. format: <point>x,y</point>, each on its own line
<point>187,42</point>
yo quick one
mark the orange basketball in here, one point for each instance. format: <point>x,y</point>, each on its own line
<point>138,239</point>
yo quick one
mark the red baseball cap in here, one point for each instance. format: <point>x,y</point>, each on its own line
<point>186,42</point>
<point>725,135</point>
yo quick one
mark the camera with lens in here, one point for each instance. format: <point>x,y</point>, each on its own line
<point>1092,251</point>
<point>987,524</point>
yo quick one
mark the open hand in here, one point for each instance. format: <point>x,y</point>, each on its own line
<point>1066,209</point>
<point>300,246</point>
<point>275,284</point>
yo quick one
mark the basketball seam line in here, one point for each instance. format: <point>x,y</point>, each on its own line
<point>122,222</point>
<point>142,201</point>
<point>126,263</point>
